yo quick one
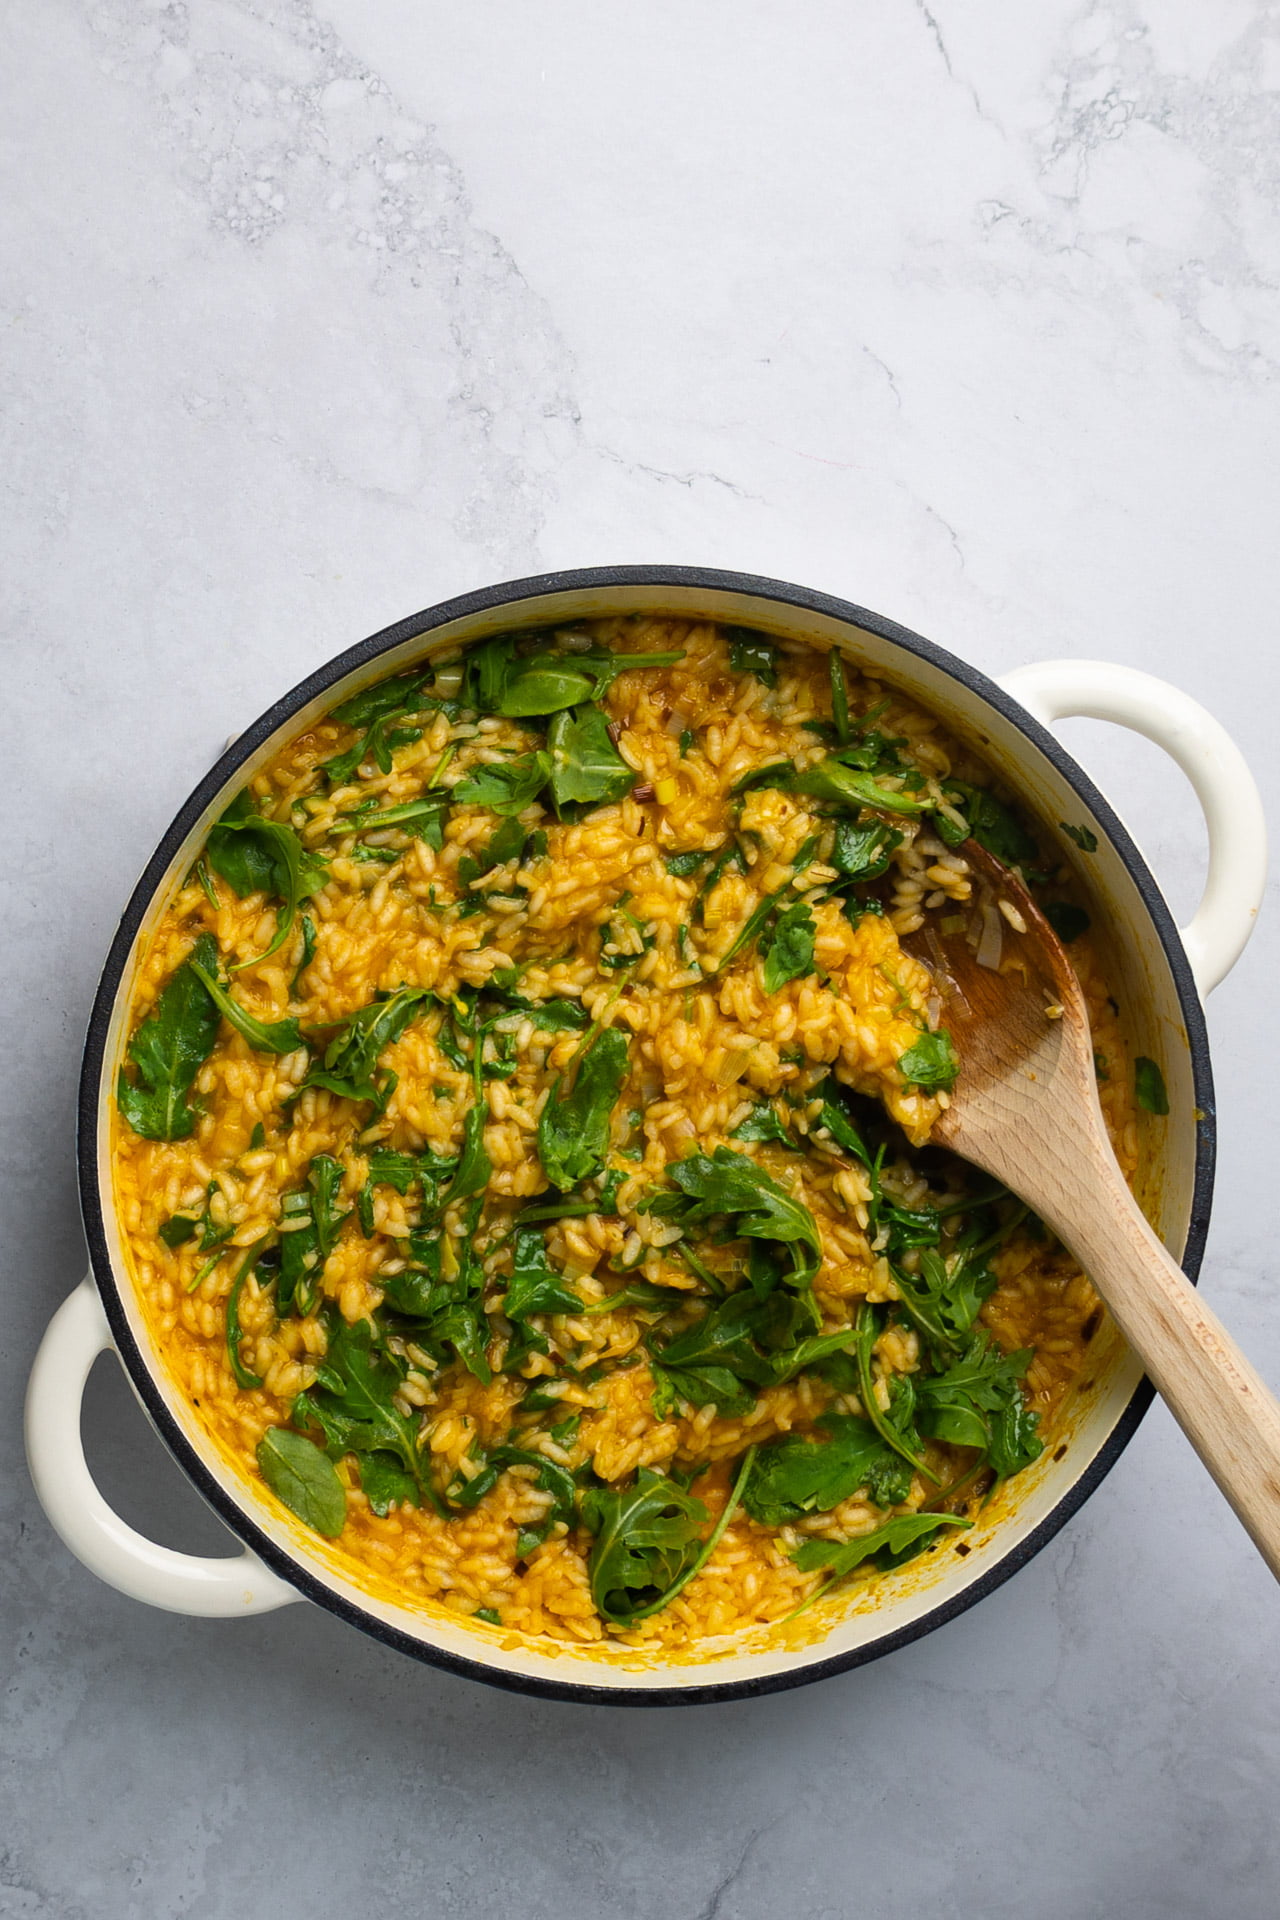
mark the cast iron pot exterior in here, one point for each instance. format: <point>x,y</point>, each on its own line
<point>765,604</point>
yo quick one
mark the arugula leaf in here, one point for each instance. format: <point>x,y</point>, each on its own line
<point>374,710</point>
<point>256,855</point>
<point>552,1478</point>
<point>168,1050</point>
<point>646,1537</point>
<point>350,1063</point>
<point>585,764</point>
<point>1148,1086</point>
<point>573,1129</point>
<point>794,1477</point>
<point>305,1247</point>
<point>352,1401</point>
<point>945,1302</point>
<point>507,843</point>
<point>931,1062</point>
<point>909,1530</point>
<point>424,818</point>
<point>894,1423</point>
<point>1067,921</point>
<point>1085,838</point>
<point>400,693</point>
<point>307,1482</point>
<point>309,939</point>
<point>750,652</point>
<point>839,696</point>
<point>787,950</point>
<point>762,1124</point>
<point>274,1036</point>
<point>863,852</point>
<point>978,1402</point>
<point>506,787</point>
<point>646,1540</point>
<point>245,1377</point>
<point>729,1183</point>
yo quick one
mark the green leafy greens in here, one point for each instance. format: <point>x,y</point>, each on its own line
<point>168,1050</point>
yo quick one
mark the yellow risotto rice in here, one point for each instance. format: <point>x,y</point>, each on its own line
<point>699,946</point>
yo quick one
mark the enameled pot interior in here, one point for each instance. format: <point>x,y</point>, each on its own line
<point>1158,1007</point>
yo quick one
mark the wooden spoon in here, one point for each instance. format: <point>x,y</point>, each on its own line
<point>1025,1108</point>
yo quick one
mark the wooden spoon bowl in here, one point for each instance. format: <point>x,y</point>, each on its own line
<point>1025,1109</point>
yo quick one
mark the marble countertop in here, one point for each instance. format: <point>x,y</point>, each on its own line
<point>316,314</point>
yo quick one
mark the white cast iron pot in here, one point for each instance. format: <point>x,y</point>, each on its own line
<point>1160,975</point>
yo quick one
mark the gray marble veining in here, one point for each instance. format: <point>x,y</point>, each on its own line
<point>315,314</point>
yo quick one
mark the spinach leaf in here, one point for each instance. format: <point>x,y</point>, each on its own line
<point>762,1124</point>
<point>889,1542</point>
<point>299,1474</point>
<point>993,825</point>
<point>932,1062</point>
<point>535,1287</point>
<point>256,855</point>
<point>1067,921</point>
<point>350,1064</point>
<point>1148,1086</point>
<point>573,1129</point>
<point>273,1036</point>
<point>585,764</point>
<point>750,652</point>
<point>832,779</point>
<point>863,852</point>
<point>685,865</point>
<point>794,1477</point>
<point>787,950</point>
<point>168,1050</point>
<point>1085,838</point>
<point>729,1183</point>
<point>386,1484</point>
<point>500,680</point>
<point>506,787</point>
<point>474,1165</point>
<point>556,1016</point>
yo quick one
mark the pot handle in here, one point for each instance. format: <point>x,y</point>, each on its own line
<point>127,1561</point>
<point>1228,794</point>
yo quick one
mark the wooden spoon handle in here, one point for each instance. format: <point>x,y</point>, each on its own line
<point>1222,1404</point>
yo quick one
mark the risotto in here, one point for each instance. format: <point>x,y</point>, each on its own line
<point>523,1139</point>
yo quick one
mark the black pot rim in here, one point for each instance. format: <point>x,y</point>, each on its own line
<point>487,599</point>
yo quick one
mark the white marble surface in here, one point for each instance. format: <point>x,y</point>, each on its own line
<point>315,314</point>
